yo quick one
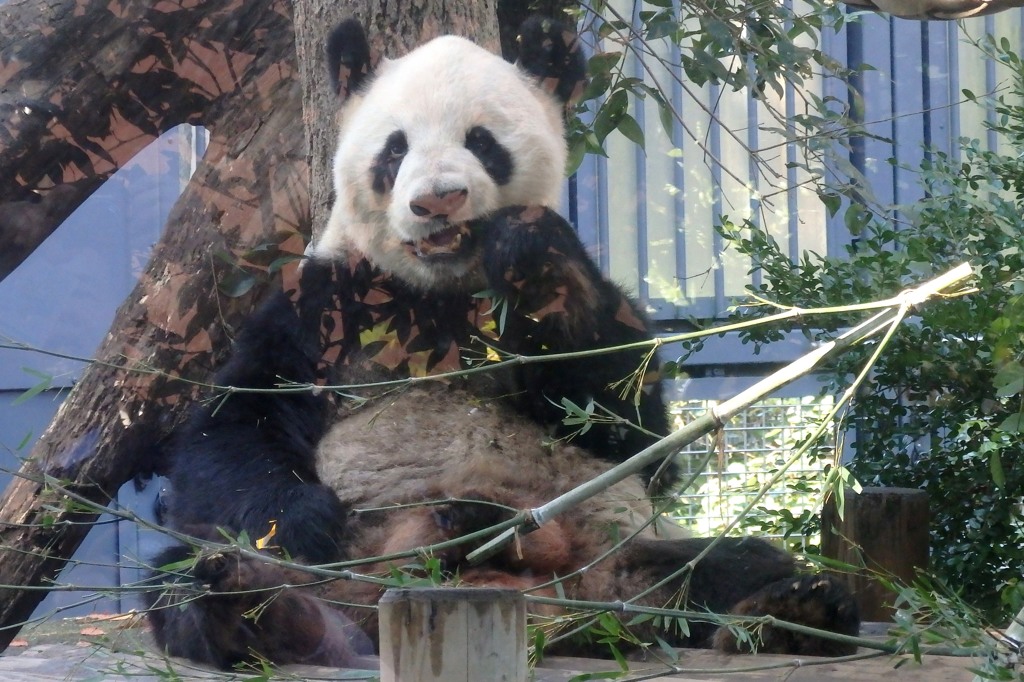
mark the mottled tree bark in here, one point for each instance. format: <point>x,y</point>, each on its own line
<point>86,84</point>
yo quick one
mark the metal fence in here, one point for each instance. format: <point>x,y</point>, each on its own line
<point>724,473</point>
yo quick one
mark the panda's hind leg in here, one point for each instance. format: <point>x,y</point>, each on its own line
<point>738,576</point>
<point>817,601</point>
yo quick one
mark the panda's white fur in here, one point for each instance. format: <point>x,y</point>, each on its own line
<point>433,94</point>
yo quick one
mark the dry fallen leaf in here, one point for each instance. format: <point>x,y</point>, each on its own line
<point>264,541</point>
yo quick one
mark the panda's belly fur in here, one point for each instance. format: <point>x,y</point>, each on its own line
<point>433,443</point>
<point>412,445</point>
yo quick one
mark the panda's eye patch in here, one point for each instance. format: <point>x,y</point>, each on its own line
<point>396,144</point>
<point>389,159</point>
<point>496,159</point>
<point>479,140</point>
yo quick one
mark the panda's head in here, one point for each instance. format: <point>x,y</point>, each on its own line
<point>433,142</point>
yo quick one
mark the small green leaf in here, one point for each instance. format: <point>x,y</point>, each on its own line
<point>832,203</point>
<point>995,465</point>
<point>667,649</point>
<point>631,129</point>
<point>597,86</point>
<point>602,63</point>
<point>668,120</point>
<point>856,218</point>
<point>1009,380</point>
<point>539,641</point>
<point>1013,424</point>
<point>24,441</point>
<point>236,283</point>
<point>45,382</point>
<point>619,658</point>
<point>177,566</point>
<point>577,150</point>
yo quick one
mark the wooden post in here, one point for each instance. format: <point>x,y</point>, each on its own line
<point>883,529</point>
<point>452,635</point>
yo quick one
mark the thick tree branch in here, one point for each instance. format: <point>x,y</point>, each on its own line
<point>89,83</point>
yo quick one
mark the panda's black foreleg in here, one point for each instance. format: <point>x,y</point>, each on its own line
<point>245,461</point>
<point>558,302</point>
<point>534,259</point>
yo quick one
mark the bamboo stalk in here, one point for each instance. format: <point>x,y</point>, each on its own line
<point>716,417</point>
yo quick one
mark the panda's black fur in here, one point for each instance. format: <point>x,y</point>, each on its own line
<point>441,278</point>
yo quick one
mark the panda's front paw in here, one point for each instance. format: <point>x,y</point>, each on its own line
<point>220,570</point>
<point>524,242</point>
<point>821,602</point>
<point>535,261</point>
<point>227,572</point>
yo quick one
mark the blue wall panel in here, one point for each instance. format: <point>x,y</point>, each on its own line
<point>63,299</point>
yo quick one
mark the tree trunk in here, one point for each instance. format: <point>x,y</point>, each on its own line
<point>226,64</point>
<point>883,532</point>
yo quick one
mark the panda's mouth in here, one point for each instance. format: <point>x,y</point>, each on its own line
<point>447,242</point>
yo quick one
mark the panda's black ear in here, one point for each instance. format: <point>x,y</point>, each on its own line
<point>348,58</point>
<point>550,51</point>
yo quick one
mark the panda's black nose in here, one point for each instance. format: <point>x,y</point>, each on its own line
<point>438,204</point>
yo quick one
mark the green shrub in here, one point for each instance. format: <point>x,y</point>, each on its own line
<point>943,408</point>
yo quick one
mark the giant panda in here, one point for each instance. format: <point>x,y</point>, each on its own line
<point>443,253</point>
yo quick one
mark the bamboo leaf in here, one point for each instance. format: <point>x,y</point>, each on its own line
<point>44,383</point>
